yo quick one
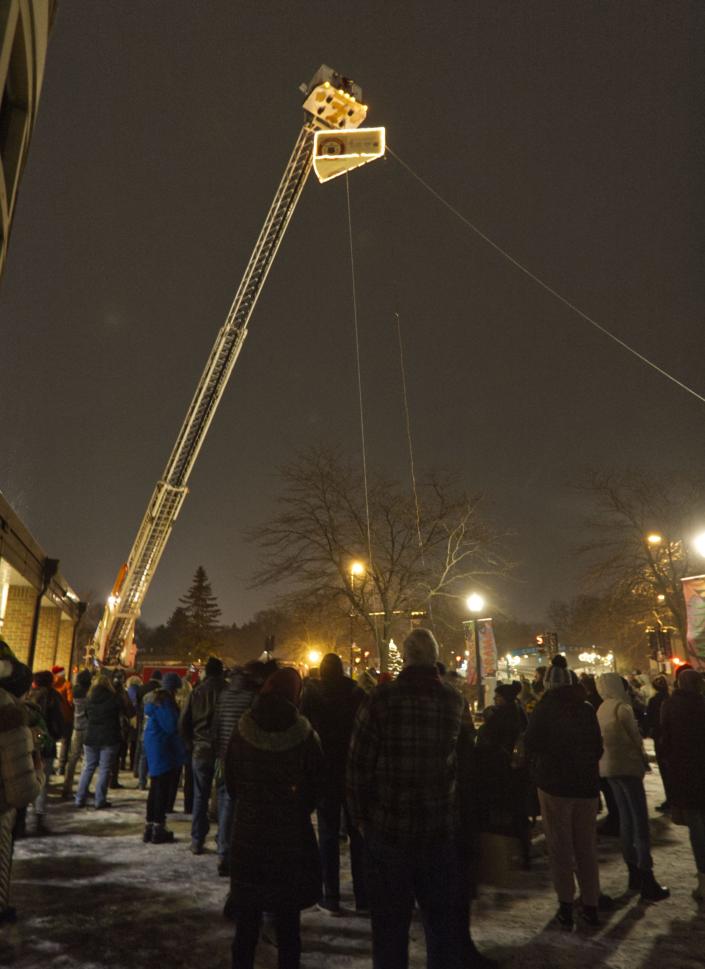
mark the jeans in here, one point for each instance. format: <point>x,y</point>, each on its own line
<point>398,874</point>
<point>226,808</point>
<point>40,804</point>
<point>160,791</point>
<point>695,819</point>
<point>571,839</point>
<point>288,924</point>
<point>329,808</point>
<point>202,783</point>
<point>96,757</point>
<point>74,756</point>
<point>142,773</point>
<point>633,821</point>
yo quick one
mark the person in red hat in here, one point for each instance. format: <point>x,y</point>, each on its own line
<point>63,688</point>
<point>273,769</point>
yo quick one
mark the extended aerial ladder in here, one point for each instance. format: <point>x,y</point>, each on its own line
<point>329,140</point>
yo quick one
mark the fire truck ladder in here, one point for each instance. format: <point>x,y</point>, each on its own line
<point>332,102</point>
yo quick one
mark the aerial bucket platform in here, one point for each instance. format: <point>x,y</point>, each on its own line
<point>337,152</point>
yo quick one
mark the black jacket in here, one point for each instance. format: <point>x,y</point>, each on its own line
<point>272,771</point>
<point>331,704</point>
<point>682,745</point>
<point>104,710</point>
<point>564,744</point>
<point>196,725</point>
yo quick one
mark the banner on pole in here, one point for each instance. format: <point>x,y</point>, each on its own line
<point>488,648</point>
<point>470,654</point>
<point>694,595</point>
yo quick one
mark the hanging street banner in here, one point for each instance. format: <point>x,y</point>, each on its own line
<point>694,594</point>
<point>471,668</point>
<point>488,648</point>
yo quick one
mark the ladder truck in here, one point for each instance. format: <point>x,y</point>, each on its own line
<point>332,142</point>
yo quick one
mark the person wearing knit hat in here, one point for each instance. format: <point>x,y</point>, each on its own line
<point>682,742</point>
<point>196,728</point>
<point>272,771</point>
<point>165,755</point>
<point>624,764</point>
<point>563,739</point>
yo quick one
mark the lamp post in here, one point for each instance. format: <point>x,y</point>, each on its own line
<point>475,605</point>
<point>356,568</point>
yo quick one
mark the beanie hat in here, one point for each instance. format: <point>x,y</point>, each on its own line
<point>690,681</point>
<point>558,673</point>
<point>7,658</point>
<point>171,682</point>
<point>156,675</point>
<point>285,683</point>
<point>43,678</point>
<point>19,681</point>
<point>214,667</point>
<point>84,677</point>
<point>58,669</point>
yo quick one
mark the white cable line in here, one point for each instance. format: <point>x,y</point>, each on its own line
<point>359,381</point>
<point>542,284</point>
<point>411,452</point>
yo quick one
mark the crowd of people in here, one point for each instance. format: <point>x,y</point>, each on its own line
<point>396,767</point>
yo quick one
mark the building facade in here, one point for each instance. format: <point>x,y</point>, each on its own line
<point>24,37</point>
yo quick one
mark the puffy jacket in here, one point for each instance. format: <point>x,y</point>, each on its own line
<point>331,704</point>
<point>624,754</point>
<point>20,783</point>
<point>233,701</point>
<point>162,744</point>
<point>197,718</point>
<point>104,711</point>
<point>563,744</point>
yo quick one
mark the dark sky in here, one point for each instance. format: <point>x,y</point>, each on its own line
<point>572,133</point>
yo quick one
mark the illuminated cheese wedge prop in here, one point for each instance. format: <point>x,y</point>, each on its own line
<point>337,152</point>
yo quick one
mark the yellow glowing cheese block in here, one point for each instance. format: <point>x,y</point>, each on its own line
<point>337,152</point>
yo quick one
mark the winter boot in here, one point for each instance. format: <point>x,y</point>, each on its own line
<point>148,832</point>
<point>634,878</point>
<point>161,835</point>
<point>564,916</point>
<point>40,828</point>
<point>589,916</point>
<point>699,892</point>
<point>651,891</point>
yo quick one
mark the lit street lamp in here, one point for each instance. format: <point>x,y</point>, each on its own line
<point>699,544</point>
<point>475,605</point>
<point>653,538</point>
<point>356,568</point>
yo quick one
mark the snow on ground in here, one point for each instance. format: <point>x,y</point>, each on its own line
<point>93,895</point>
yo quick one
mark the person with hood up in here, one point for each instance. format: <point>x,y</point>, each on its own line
<point>653,721</point>
<point>272,771</point>
<point>20,768</point>
<point>165,755</point>
<point>331,704</point>
<point>233,701</point>
<point>624,763</point>
<point>564,745</point>
<point>682,741</point>
<point>80,725</point>
<point>104,710</point>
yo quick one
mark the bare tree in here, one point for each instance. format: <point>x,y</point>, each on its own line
<point>641,549</point>
<point>409,560</point>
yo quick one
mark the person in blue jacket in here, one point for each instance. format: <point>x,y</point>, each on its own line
<point>165,755</point>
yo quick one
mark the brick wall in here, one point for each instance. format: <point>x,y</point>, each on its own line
<point>47,637</point>
<point>17,627</point>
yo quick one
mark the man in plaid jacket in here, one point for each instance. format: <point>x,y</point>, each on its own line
<point>402,781</point>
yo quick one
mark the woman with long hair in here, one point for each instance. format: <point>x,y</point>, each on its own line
<point>104,708</point>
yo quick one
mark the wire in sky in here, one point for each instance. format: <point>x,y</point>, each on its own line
<point>541,283</point>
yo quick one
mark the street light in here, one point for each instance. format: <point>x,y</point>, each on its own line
<point>475,605</point>
<point>314,657</point>
<point>699,544</point>
<point>356,568</point>
<point>653,538</point>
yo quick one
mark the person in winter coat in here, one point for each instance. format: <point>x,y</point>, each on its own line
<point>196,726</point>
<point>233,701</point>
<point>104,712</point>
<point>564,746</point>
<point>272,769</point>
<point>80,725</point>
<point>331,704</point>
<point>624,763</point>
<point>165,756</point>
<point>653,721</point>
<point>403,797</point>
<point>20,767</point>
<point>682,738</point>
<point>153,684</point>
<point>63,688</point>
<point>47,704</point>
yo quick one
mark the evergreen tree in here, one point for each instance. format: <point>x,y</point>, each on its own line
<point>394,660</point>
<point>200,610</point>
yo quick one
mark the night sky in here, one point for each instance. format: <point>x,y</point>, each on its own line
<point>572,133</point>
